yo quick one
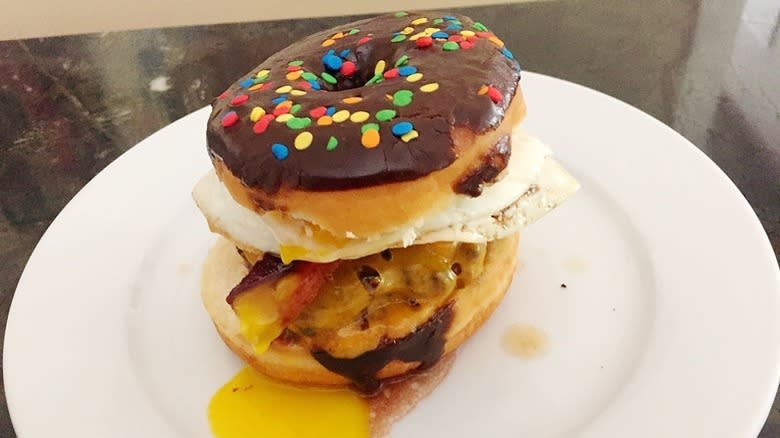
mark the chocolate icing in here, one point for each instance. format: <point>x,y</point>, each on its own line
<point>425,345</point>
<point>456,103</point>
<point>492,164</point>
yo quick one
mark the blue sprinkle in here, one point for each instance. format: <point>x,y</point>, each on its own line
<point>440,34</point>
<point>402,128</point>
<point>344,53</point>
<point>279,99</point>
<point>332,62</point>
<point>396,33</point>
<point>331,110</point>
<point>454,27</point>
<point>407,70</point>
<point>246,83</point>
<point>507,53</point>
<point>280,151</point>
<point>449,17</point>
<point>314,85</point>
<point>331,52</point>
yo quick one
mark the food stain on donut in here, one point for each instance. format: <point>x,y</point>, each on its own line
<point>524,341</point>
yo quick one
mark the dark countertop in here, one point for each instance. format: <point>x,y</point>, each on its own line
<point>71,105</point>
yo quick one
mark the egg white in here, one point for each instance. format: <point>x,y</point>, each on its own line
<point>532,184</point>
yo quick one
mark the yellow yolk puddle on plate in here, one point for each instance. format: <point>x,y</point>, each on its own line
<point>253,405</point>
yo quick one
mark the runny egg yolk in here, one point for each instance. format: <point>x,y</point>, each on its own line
<point>253,405</point>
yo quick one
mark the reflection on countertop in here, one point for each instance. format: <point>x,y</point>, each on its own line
<point>71,105</point>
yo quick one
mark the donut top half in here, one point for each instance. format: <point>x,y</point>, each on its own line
<point>367,103</point>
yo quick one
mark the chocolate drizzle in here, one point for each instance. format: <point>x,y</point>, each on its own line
<point>493,163</point>
<point>435,115</point>
<point>269,268</point>
<point>425,345</point>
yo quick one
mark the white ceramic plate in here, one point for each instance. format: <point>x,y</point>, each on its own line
<point>669,325</point>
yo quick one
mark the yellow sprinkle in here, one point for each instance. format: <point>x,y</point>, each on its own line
<point>416,36</point>
<point>359,116</point>
<point>328,42</point>
<point>407,30</point>
<point>427,88</point>
<point>467,33</point>
<point>409,136</point>
<point>337,36</point>
<point>294,75</point>
<point>389,97</point>
<point>298,93</point>
<point>340,116</point>
<point>283,118</point>
<point>262,73</point>
<point>495,40</point>
<point>303,140</point>
<point>414,77</point>
<point>353,99</point>
<point>256,113</point>
<point>284,89</point>
<point>380,67</point>
<point>482,90</point>
<point>286,103</point>
<point>370,139</point>
<point>255,87</point>
<point>324,121</point>
<point>431,30</point>
<point>419,21</point>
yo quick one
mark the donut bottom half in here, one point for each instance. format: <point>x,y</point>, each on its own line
<point>471,306</point>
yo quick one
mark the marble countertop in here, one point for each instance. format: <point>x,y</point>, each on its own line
<point>71,105</point>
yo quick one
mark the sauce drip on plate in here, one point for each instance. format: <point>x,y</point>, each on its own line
<point>252,405</point>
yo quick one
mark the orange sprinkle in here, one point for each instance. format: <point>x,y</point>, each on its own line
<point>328,42</point>
<point>337,36</point>
<point>495,40</point>
<point>482,90</point>
<point>294,75</point>
<point>370,139</point>
<point>353,99</point>
<point>255,87</point>
<point>324,121</point>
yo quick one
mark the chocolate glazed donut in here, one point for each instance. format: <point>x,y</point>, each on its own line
<point>369,103</point>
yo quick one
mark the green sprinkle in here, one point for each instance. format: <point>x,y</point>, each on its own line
<point>351,32</point>
<point>402,97</point>
<point>479,26</point>
<point>327,77</point>
<point>299,123</point>
<point>374,80</point>
<point>401,14</point>
<point>450,46</point>
<point>438,20</point>
<point>296,63</point>
<point>456,22</point>
<point>332,143</point>
<point>402,60</point>
<point>309,76</point>
<point>368,126</point>
<point>398,38</point>
<point>385,114</point>
<point>262,79</point>
<point>295,108</point>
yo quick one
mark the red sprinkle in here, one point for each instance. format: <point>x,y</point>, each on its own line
<point>363,40</point>
<point>424,42</point>
<point>262,124</point>
<point>303,85</point>
<point>293,68</point>
<point>390,74</point>
<point>456,38</point>
<point>229,119</point>
<point>494,94</point>
<point>267,85</point>
<point>348,68</point>
<point>465,45</point>
<point>239,100</point>
<point>472,38</point>
<point>223,95</point>
<point>484,34</point>
<point>318,112</point>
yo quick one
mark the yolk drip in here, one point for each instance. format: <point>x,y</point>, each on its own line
<point>253,405</point>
